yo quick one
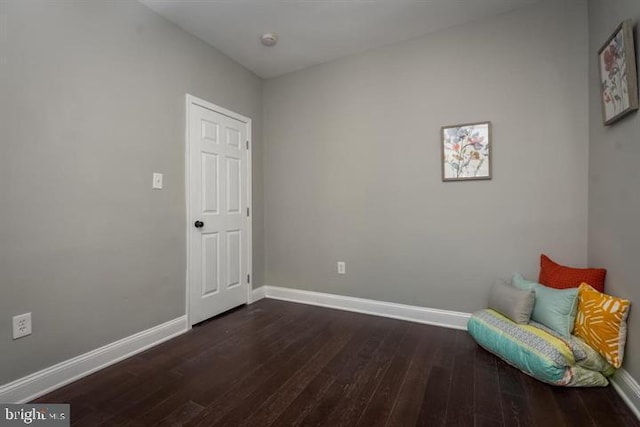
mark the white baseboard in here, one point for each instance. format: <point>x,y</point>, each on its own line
<point>257,294</point>
<point>628,388</point>
<point>39,383</point>
<point>430,316</point>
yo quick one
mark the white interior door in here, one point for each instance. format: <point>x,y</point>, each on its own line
<point>218,205</point>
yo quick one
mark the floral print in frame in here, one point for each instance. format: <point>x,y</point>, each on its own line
<point>618,78</point>
<point>466,152</point>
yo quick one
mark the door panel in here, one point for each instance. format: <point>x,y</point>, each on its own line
<point>218,197</point>
<point>210,199</point>
<point>234,189</point>
<point>233,137</point>
<point>210,131</point>
<point>234,258</point>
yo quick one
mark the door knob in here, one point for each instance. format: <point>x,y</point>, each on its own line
<point>199,224</point>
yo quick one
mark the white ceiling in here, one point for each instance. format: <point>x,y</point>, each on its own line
<point>316,31</point>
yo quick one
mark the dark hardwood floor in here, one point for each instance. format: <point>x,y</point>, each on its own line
<point>278,364</point>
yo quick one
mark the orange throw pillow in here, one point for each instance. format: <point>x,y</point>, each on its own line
<point>562,277</point>
<point>602,323</point>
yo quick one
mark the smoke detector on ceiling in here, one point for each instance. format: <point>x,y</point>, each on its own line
<point>269,39</point>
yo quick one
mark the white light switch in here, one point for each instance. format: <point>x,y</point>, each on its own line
<point>157,181</point>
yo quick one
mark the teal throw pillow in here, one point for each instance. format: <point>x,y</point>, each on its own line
<point>554,308</point>
<point>521,283</point>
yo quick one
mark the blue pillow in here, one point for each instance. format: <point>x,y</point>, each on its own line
<point>554,308</point>
<point>521,283</point>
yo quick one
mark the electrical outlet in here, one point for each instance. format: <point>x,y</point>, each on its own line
<point>342,267</point>
<point>21,325</point>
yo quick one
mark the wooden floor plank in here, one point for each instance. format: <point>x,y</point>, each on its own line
<point>515,410</point>
<point>513,396</point>
<point>236,364</point>
<point>366,381</point>
<point>314,395</point>
<point>574,411</point>
<point>383,398</point>
<point>540,395</point>
<point>181,415</point>
<point>433,411</point>
<point>461,402</point>
<point>348,374</point>
<point>488,407</point>
<point>409,400</point>
<point>294,383</point>
<point>307,400</point>
<point>276,363</point>
<point>250,394</point>
<point>435,400</point>
<point>605,408</point>
<point>265,333</point>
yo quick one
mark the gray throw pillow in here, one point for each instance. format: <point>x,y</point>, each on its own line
<point>516,304</point>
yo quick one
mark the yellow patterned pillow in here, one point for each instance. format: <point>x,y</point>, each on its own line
<point>602,323</point>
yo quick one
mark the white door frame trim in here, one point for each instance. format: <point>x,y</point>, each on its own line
<point>190,99</point>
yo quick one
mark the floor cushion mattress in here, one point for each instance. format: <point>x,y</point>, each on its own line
<point>533,350</point>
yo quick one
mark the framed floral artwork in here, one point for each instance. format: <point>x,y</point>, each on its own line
<point>618,78</point>
<point>466,152</point>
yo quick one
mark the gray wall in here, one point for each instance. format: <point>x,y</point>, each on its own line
<point>92,102</point>
<point>614,179</point>
<point>352,162</point>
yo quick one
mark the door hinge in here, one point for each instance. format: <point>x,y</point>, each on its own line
<point>247,144</point>
<point>248,278</point>
<point>248,212</point>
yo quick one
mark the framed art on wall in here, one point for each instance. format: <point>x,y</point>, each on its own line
<point>466,152</point>
<point>618,78</point>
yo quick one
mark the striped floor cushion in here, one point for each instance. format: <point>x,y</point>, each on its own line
<point>533,350</point>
